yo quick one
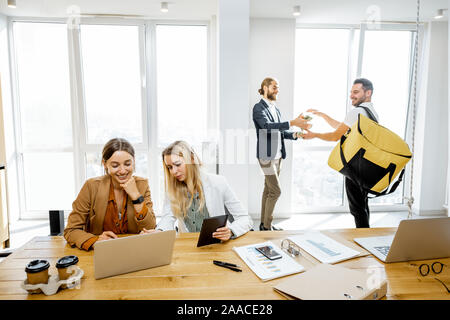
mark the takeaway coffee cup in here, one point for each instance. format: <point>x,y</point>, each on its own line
<point>63,265</point>
<point>37,272</point>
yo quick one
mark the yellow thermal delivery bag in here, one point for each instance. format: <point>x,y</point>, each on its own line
<point>371,155</point>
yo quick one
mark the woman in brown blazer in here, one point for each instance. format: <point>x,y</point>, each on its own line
<point>115,203</point>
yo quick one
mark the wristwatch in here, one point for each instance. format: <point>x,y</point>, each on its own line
<point>138,200</point>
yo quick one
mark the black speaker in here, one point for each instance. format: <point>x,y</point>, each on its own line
<point>56,218</point>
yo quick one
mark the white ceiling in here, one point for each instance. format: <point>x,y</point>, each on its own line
<point>348,11</point>
<point>313,11</point>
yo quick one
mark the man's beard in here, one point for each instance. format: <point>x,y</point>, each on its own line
<point>359,101</point>
<point>272,96</point>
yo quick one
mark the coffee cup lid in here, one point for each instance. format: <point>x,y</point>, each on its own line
<point>66,261</point>
<point>36,266</point>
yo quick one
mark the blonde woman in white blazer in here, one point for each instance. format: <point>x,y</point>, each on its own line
<point>193,195</point>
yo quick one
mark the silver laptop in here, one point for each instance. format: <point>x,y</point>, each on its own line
<point>133,253</point>
<point>418,239</point>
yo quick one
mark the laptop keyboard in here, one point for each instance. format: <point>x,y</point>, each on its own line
<point>383,250</point>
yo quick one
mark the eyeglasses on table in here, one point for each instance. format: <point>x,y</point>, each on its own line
<point>436,268</point>
<point>290,247</point>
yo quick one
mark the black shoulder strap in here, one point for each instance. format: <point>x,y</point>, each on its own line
<point>369,113</point>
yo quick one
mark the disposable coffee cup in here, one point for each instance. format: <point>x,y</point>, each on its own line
<point>37,272</point>
<point>64,266</point>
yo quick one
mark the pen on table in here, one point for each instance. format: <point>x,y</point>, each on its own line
<point>228,267</point>
<point>225,263</point>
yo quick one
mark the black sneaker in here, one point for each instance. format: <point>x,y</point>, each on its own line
<point>262,228</point>
<point>276,229</point>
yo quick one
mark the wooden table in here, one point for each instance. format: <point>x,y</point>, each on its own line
<point>191,275</point>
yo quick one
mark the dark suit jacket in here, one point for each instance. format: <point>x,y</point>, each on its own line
<point>266,132</point>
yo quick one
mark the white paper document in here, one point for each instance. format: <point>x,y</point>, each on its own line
<point>323,248</point>
<point>264,268</point>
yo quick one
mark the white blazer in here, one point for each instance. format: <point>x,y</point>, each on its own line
<point>218,195</point>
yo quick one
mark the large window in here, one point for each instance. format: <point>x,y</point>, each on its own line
<point>320,83</point>
<point>43,94</point>
<point>70,102</point>
<point>112,82</point>
<point>182,90</point>
<point>389,69</point>
<point>181,59</point>
<point>326,63</point>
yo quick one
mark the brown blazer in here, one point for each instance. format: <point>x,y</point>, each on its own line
<point>89,209</point>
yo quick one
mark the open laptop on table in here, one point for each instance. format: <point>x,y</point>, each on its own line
<point>418,239</point>
<point>133,253</point>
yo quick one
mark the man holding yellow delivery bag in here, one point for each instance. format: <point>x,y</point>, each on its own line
<point>361,95</point>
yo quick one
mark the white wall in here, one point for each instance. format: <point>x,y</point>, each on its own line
<point>272,54</point>
<point>3,41</point>
<point>448,122</point>
<point>269,46</point>
<point>233,80</point>
<point>431,138</point>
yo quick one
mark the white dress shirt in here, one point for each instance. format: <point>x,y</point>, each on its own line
<point>273,111</point>
<point>218,195</point>
<point>352,115</point>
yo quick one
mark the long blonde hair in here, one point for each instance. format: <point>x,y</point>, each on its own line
<point>178,190</point>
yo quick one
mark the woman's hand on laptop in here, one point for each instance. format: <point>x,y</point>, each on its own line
<point>223,234</point>
<point>107,235</point>
<point>145,231</point>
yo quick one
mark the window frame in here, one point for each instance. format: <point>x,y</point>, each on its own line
<point>80,145</point>
<point>17,116</point>
<point>359,61</point>
<point>155,167</point>
<point>79,106</point>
